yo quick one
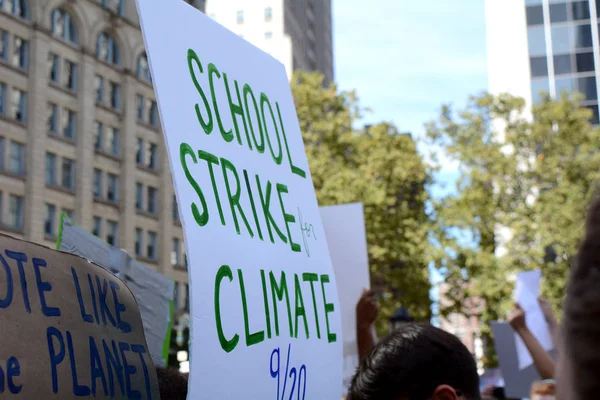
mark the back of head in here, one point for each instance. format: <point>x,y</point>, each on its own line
<point>173,385</point>
<point>411,363</point>
<point>579,364</point>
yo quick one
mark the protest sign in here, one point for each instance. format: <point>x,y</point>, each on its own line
<point>264,305</point>
<point>346,238</point>
<point>517,381</point>
<point>527,290</point>
<point>153,292</point>
<point>69,329</point>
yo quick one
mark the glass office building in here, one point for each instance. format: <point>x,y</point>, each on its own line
<point>548,45</point>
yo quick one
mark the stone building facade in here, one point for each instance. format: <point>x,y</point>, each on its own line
<point>80,132</point>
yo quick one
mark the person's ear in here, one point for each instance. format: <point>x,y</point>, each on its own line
<point>444,392</point>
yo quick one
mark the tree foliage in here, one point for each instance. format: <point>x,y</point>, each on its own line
<point>525,182</point>
<point>381,168</point>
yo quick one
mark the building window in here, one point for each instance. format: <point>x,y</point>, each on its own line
<point>50,169</point>
<point>175,209</point>
<point>99,89</point>
<point>176,297</point>
<point>268,14</point>
<point>152,200</point>
<point>113,5</point>
<point>3,106</point>
<point>140,107</point>
<point>536,40</point>
<point>63,25</point>
<point>68,174</point>
<point>564,85</point>
<point>52,117</point>
<point>152,112</point>
<point>115,95</point>
<point>138,242</point>
<point>18,8</point>
<point>20,53</point>
<point>562,64</point>
<point>558,13</point>
<point>70,75</point>
<point>97,184</point>
<point>152,155</point>
<point>587,86</point>
<point>535,15</point>
<point>99,145</point>
<point>3,45</point>
<point>49,220</point>
<point>143,69</point>
<point>268,35</point>
<point>97,228</point>
<point>16,161</point>
<point>584,62</point>
<point>2,166</point>
<point>69,124</point>
<point>580,10</point>
<point>139,196</point>
<point>53,64</point>
<point>175,253</point>
<point>151,250</point>
<point>19,105</point>
<point>240,17</point>
<point>539,66</point>
<point>113,141</point>
<point>186,304</point>
<point>15,212</point>
<point>583,36</point>
<point>139,155</point>
<point>112,234</point>
<point>112,189</point>
<point>107,49</point>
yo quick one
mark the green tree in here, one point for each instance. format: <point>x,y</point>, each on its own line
<point>520,200</point>
<point>381,168</point>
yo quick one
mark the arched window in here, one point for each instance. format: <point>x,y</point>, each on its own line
<point>63,25</point>
<point>143,69</point>
<point>18,8</point>
<point>114,5</point>
<point>107,49</point>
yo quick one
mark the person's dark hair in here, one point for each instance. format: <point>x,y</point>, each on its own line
<point>172,384</point>
<point>581,310</point>
<point>411,363</point>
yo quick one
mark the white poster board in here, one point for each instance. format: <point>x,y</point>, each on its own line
<point>527,290</point>
<point>265,315</point>
<point>347,240</point>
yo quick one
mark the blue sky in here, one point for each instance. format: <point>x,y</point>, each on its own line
<point>405,58</point>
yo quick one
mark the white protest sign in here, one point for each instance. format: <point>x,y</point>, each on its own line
<point>264,306</point>
<point>347,240</point>
<point>527,290</point>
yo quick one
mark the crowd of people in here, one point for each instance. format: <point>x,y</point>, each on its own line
<point>422,362</point>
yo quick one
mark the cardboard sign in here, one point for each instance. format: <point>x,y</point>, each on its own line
<point>347,240</point>
<point>152,291</point>
<point>69,329</point>
<point>264,305</point>
<point>517,381</point>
